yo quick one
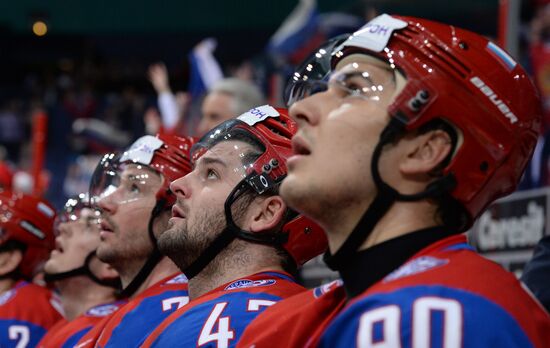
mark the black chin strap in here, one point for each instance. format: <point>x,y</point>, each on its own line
<point>153,259</point>
<point>384,199</point>
<point>222,240</point>
<point>232,231</point>
<point>83,270</point>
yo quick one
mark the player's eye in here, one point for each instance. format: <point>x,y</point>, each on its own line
<point>211,174</point>
<point>134,188</point>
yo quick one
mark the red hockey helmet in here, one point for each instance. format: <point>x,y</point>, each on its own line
<point>456,76</point>
<point>167,155</point>
<point>6,176</point>
<point>28,220</point>
<point>271,129</point>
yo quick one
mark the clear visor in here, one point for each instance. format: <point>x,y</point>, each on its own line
<point>354,76</point>
<point>122,182</point>
<point>228,152</point>
<point>86,217</point>
<point>77,210</point>
<point>5,215</point>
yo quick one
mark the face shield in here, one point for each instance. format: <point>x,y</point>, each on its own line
<point>236,151</point>
<point>127,177</point>
<point>246,158</point>
<point>348,73</point>
<point>77,210</point>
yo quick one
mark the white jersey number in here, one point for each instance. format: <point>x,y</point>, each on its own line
<point>21,334</point>
<point>255,305</point>
<point>179,301</point>
<point>389,320</point>
<point>224,334</point>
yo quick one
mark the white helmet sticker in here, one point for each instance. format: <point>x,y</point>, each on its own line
<point>142,150</point>
<point>376,34</point>
<point>33,230</point>
<point>44,209</point>
<point>258,114</point>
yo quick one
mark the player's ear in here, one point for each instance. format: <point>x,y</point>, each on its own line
<point>10,260</point>
<point>426,152</point>
<point>269,213</point>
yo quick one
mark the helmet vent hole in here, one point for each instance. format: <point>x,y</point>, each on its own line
<point>463,45</point>
<point>484,166</point>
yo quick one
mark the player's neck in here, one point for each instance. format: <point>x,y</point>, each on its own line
<point>230,265</point>
<point>163,269</point>
<point>79,294</point>
<point>6,284</point>
<point>402,218</point>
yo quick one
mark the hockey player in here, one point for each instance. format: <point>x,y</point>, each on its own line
<point>132,191</point>
<point>408,129</point>
<point>232,235</point>
<point>27,310</point>
<point>86,285</point>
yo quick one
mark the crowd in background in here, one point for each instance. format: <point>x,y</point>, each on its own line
<point>95,107</point>
<point>180,241</point>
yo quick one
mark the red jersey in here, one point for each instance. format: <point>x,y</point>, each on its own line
<point>445,295</point>
<point>292,321</point>
<point>65,334</point>
<point>219,317</point>
<point>27,311</point>
<point>129,326</point>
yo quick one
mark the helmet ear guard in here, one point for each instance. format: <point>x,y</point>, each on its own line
<point>463,79</point>
<point>271,130</point>
<point>454,76</point>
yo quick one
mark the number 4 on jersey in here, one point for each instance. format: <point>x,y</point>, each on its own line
<point>224,333</point>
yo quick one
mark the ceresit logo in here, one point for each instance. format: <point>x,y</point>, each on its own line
<point>504,109</point>
<point>522,231</point>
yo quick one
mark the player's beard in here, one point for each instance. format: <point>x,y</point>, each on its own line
<point>127,250</point>
<point>184,243</point>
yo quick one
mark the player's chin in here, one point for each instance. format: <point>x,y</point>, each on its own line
<point>50,266</point>
<point>105,252</point>
<point>290,189</point>
<point>166,245</point>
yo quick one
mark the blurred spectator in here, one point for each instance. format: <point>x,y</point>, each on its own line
<point>12,130</point>
<point>172,107</point>
<point>540,55</point>
<point>226,99</point>
<point>79,174</point>
<point>536,174</point>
